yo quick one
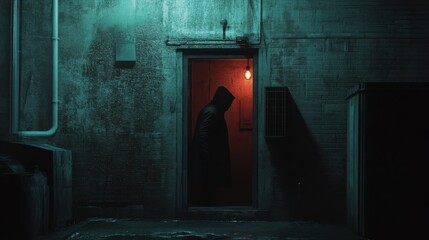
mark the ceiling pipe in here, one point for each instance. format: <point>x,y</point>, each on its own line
<point>15,122</point>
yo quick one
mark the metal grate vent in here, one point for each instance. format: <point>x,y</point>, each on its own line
<point>275,112</point>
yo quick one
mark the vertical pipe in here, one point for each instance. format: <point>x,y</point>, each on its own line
<point>14,95</point>
<point>260,22</point>
<point>54,66</point>
<point>54,127</point>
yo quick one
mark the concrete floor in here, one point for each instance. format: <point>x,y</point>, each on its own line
<point>123,229</point>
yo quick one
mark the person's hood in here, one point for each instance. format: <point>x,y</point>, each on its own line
<point>223,98</point>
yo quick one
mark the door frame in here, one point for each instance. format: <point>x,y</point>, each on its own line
<point>182,58</point>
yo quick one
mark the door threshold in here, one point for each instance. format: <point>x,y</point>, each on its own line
<point>223,208</point>
<point>227,213</point>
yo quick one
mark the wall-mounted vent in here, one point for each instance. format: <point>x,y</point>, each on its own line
<point>275,112</point>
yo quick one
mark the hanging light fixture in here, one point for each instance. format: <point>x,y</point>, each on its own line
<point>247,74</point>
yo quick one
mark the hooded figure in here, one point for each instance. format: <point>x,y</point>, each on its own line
<point>209,157</point>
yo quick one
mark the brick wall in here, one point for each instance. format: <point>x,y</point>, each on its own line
<point>320,49</point>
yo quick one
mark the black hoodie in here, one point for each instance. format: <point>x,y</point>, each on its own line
<point>210,160</point>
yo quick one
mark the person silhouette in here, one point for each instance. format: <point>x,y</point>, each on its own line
<point>209,156</point>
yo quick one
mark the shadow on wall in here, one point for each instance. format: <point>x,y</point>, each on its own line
<point>299,192</point>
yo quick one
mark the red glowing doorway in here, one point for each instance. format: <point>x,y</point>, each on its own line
<point>205,76</point>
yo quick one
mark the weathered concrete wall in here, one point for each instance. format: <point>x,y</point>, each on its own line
<point>120,123</point>
<point>196,19</point>
<point>117,121</point>
<point>4,67</point>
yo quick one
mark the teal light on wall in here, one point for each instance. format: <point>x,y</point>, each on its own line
<point>125,52</point>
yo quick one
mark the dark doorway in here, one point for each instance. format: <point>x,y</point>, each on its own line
<point>205,76</point>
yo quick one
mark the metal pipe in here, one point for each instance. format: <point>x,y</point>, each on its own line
<point>14,87</point>
<point>55,38</point>
<point>260,24</point>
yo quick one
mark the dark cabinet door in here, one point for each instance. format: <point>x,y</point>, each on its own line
<point>387,159</point>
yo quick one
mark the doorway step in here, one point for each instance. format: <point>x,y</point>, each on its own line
<point>227,214</point>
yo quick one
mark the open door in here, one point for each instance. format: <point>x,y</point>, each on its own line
<point>205,76</point>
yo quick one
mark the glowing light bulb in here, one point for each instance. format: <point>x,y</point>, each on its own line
<point>247,74</point>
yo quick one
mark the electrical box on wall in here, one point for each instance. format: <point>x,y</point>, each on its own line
<point>125,55</point>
